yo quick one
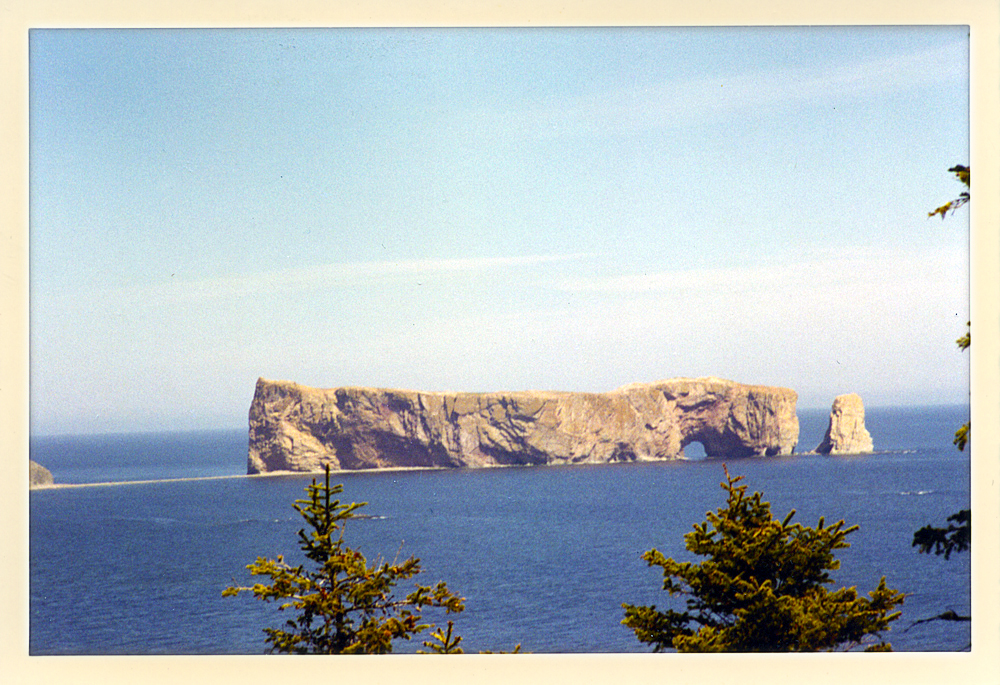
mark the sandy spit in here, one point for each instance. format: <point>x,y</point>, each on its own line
<point>62,486</point>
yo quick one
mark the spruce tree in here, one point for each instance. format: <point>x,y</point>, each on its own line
<point>762,588</point>
<point>343,604</point>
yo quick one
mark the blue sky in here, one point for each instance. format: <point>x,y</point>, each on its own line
<point>490,209</point>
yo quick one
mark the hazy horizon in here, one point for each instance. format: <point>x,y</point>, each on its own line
<point>479,210</point>
<point>243,428</point>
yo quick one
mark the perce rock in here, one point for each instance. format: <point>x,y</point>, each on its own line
<point>297,428</point>
<point>847,433</point>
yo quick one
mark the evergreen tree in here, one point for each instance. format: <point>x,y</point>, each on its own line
<point>964,176</point>
<point>762,587</point>
<point>957,536</point>
<point>343,604</point>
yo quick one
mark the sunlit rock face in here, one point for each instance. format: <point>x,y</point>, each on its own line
<point>847,433</point>
<point>297,428</point>
<point>38,475</point>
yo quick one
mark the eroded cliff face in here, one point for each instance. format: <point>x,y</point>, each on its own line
<point>846,433</point>
<point>297,428</point>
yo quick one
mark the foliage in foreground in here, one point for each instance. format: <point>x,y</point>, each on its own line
<point>963,434</point>
<point>963,174</point>
<point>343,604</point>
<point>953,538</point>
<point>957,537</point>
<point>761,588</point>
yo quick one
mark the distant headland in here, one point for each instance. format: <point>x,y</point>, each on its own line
<point>38,475</point>
<point>298,428</point>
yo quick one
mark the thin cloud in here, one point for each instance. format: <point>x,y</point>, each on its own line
<point>674,103</point>
<point>331,276</point>
<point>871,266</point>
<point>859,319</point>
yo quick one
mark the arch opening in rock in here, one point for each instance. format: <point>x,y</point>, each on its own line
<point>694,450</point>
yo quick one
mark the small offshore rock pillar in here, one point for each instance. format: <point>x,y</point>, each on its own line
<point>846,433</point>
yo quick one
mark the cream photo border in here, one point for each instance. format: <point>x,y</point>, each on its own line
<point>980,665</point>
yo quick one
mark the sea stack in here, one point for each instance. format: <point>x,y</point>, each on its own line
<point>847,433</point>
<point>38,475</point>
<point>297,428</point>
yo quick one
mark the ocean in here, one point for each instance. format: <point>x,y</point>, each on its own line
<point>544,556</point>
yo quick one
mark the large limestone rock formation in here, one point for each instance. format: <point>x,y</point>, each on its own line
<point>847,433</point>
<point>38,475</point>
<point>296,428</point>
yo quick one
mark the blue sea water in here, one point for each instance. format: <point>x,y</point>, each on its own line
<point>544,556</point>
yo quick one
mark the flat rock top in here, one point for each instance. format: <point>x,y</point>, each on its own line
<point>850,402</point>
<point>708,383</point>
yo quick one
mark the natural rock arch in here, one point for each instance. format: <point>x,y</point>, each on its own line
<point>297,428</point>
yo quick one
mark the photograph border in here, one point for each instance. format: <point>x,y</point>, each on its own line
<point>982,664</point>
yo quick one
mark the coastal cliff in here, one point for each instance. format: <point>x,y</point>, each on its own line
<point>298,428</point>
